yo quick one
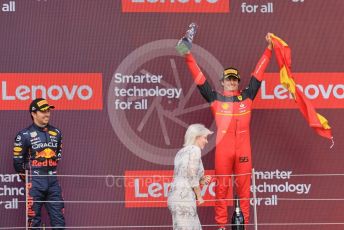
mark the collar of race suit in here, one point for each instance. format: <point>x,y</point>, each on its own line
<point>231,93</point>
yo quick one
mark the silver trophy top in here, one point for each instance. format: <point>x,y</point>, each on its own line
<point>190,33</point>
<point>184,45</point>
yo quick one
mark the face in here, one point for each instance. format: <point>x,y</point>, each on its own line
<point>41,118</point>
<point>230,84</point>
<point>201,141</point>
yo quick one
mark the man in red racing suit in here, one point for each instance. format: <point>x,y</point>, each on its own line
<point>232,113</point>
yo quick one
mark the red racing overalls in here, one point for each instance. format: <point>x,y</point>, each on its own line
<point>232,113</point>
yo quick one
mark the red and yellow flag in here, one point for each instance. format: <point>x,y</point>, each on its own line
<point>314,119</point>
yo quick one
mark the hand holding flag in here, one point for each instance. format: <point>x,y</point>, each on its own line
<point>314,119</point>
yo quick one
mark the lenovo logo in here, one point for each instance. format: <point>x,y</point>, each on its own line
<point>150,189</point>
<point>176,6</point>
<point>67,91</point>
<point>324,90</point>
<point>53,92</point>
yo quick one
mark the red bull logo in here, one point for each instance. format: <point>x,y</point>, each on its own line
<point>46,153</point>
<point>49,162</point>
<point>31,212</point>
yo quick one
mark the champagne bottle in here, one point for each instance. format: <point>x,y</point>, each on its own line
<point>185,43</point>
<point>238,217</point>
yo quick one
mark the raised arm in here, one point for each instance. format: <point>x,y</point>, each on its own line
<point>258,73</point>
<point>264,60</point>
<point>199,79</point>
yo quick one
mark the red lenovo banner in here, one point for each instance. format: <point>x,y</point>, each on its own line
<point>150,189</point>
<point>66,91</point>
<point>324,90</point>
<point>176,6</point>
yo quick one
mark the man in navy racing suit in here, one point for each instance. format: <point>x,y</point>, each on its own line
<point>38,150</point>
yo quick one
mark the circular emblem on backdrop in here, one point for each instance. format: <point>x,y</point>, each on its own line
<point>132,126</point>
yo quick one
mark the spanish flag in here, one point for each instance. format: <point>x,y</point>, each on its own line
<point>314,119</point>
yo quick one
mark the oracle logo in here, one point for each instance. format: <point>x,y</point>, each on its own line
<point>324,90</point>
<point>176,6</point>
<point>66,91</point>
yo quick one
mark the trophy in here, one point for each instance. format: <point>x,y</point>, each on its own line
<point>184,45</point>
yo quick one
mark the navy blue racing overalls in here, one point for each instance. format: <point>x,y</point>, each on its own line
<point>38,150</point>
